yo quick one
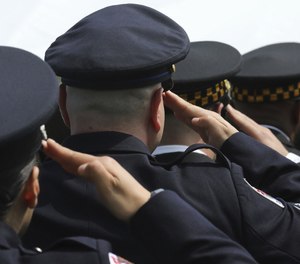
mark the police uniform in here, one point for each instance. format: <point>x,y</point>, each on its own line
<point>208,245</point>
<point>270,74</point>
<point>69,206</point>
<point>20,140</point>
<point>190,239</point>
<point>23,77</point>
<point>201,79</point>
<point>68,250</point>
<point>29,93</point>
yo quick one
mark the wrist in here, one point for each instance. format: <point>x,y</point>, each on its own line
<point>141,202</point>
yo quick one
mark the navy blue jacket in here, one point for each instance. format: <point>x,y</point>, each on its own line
<point>75,250</point>
<point>191,239</point>
<point>69,206</point>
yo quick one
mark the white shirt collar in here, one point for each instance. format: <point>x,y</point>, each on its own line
<point>173,148</point>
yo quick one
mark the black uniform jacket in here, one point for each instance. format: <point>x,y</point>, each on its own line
<point>76,250</point>
<point>69,206</point>
<point>191,239</point>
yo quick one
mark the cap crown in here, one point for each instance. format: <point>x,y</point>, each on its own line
<point>129,45</point>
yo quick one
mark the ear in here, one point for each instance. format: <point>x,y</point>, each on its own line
<point>63,104</point>
<point>32,189</point>
<point>155,113</point>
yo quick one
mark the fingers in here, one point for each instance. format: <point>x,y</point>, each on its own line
<point>70,160</point>
<point>186,111</point>
<point>174,102</point>
<point>91,169</point>
<point>100,168</point>
<point>253,129</point>
<point>119,191</point>
<point>213,129</point>
<point>243,122</point>
<point>182,109</point>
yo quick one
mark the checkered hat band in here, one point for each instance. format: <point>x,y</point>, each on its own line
<point>274,94</point>
<point>207,97</point>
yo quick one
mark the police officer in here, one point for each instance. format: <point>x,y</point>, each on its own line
<point>267,90</point>
<point>28,98</point>
<point>185,240</point>
<point>201,79</point>
<point>114,65</point>
<point>19,145</point>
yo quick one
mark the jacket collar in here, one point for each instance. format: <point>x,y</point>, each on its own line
<point>8,238</point>
<point>107,142</point>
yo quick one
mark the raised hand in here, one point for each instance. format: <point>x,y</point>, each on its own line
<point>212,127</point>
<point>119,192</point>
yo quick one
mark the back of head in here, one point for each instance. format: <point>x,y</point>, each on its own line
<point>28,95</point>
<point>108,109</point>
<point>201,78</point>
<point>113,53</point>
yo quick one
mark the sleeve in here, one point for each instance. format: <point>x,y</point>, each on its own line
<point>174,232</point>
<point>77,250</point>
<point>263,167</point>
<point>271,226</point>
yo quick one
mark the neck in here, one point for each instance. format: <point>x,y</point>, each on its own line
<point>18,217</point>
<point>135,130</point>
<point>177,133</point>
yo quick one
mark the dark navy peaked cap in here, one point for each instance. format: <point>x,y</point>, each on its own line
<point>119,46</point>
<point>270,73</point>
<point>28,96</point>
<point>201,77</point>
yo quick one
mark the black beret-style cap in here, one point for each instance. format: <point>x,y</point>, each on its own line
<point>126,45</point>
<point>201,77</point>
<point>28,92</point>
<point>268,74</point>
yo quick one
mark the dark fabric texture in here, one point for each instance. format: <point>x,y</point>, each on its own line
<point>70,206</point>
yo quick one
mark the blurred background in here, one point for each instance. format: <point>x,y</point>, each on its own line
<point>245,24</point>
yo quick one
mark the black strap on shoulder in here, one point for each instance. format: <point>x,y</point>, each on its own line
<point>221,158</point>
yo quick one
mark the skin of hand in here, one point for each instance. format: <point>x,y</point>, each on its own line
<point>119,192</point>
<point>211,127</point>
<point>253,129</point>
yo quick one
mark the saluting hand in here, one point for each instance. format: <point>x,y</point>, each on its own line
<point>253,129</point>
<point>119,192</point>
<point>212,127</point>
